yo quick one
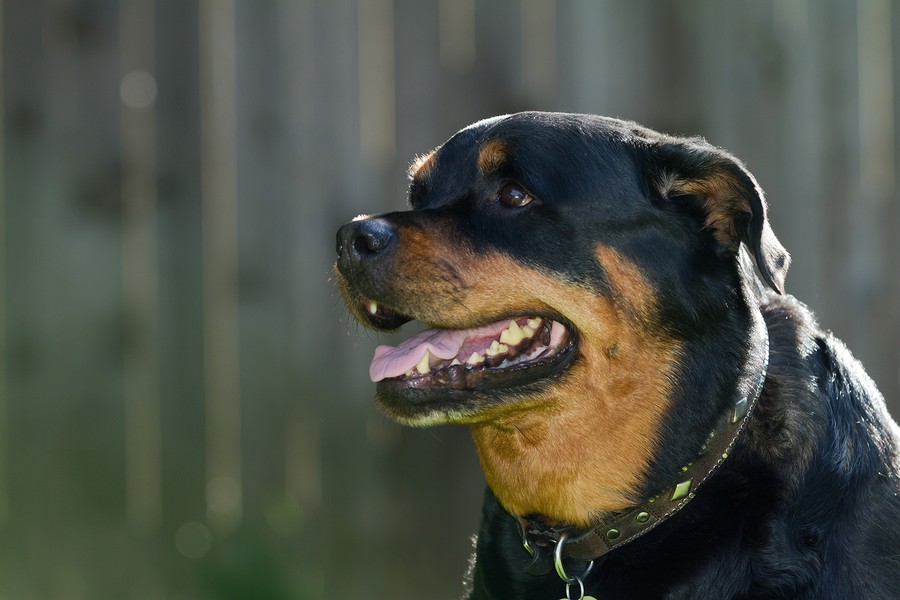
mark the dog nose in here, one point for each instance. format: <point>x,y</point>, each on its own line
<point>363,240</point>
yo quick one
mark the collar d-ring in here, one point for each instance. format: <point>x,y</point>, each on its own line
<point>623,527</point>
<point>561,570</point>
<point>580,589</point>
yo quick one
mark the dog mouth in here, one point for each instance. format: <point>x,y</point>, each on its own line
<point>460,358</point>
<point>444,369</point>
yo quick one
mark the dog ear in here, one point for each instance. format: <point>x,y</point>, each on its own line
<point>696,175</point>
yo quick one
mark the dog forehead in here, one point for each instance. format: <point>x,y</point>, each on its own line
<point>550,153</point>
<point>539,131</point>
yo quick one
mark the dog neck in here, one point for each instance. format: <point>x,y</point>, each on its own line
<point>622,518</point>
<point>581,451</point>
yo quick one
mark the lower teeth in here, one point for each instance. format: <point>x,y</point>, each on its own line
<point>454,373</point>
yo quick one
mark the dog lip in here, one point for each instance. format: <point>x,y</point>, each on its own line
<point>500,344</point>
<point>382,318</point>
<point>437,343</point>
<point>459,393</point>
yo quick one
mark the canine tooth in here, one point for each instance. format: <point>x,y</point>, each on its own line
<point>512,335</point>
<point>423,367</point>
<point>475,359</point>
<point>455,362</point>
<point>527,331</point>
<point>534,323</point>
<point>373,307</point>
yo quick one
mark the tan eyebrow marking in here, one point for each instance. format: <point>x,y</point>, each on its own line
<point>421,166</point>
<point>491,156</point>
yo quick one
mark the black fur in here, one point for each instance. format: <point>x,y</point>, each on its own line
<point>806,508</point>
<point>807,505</point>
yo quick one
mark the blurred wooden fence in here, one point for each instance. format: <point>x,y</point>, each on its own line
<point>184,410</point>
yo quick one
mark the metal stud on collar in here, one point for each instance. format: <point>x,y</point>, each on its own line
<point>596,542</point>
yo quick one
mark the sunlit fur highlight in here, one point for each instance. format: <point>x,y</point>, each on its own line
<point>491,156</point>
<point>422,166</point>
<point>580,447</point>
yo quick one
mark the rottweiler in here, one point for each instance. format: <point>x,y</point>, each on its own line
<point>654,416</point>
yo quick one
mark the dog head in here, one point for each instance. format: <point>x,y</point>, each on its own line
<point>584,284</point>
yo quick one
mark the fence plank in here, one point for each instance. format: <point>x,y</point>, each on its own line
<point>220,263</point>
<point>165,270</point>
<point>4,340</point>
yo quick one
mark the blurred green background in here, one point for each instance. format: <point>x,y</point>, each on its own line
<point>185,411</point>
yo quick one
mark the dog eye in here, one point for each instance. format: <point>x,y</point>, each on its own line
<point>514,196</point>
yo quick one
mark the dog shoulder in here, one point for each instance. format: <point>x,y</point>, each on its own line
<point>822,426</point>
<point>818,400</point>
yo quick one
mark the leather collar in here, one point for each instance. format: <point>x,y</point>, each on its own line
<point>618,529</point>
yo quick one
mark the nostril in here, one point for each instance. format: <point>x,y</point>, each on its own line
<point>363,240</point>
<point>366,244</point>
<point>361,245</point>
<point>372,237</point>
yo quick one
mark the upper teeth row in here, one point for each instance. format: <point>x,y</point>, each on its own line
<point>514,334</point>
<point>511,336</point>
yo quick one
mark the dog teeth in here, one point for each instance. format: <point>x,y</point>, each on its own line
<point>372,307</point>
<point>497,349</point>
<point>527,331</point>
<point>455,362</point>
<point>512,335</point>
<point>534,323</point>
<point>424,365</point>
<point>475,359</point>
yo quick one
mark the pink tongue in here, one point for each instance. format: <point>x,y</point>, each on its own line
<point>445,344</point>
